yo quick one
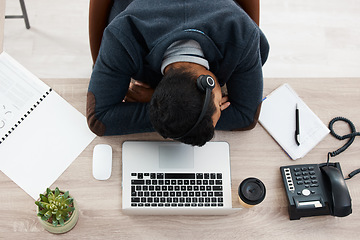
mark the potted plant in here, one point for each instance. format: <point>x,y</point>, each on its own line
<point>57,211</point>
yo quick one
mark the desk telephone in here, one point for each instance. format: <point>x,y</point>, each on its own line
<point>320,189</point>
<point>316,189</point>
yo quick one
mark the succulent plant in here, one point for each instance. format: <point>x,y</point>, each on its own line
<point>55,207</point>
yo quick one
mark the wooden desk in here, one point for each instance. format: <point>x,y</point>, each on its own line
<point>253,153</point>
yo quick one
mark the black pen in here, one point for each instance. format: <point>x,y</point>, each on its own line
<point>297,130</point>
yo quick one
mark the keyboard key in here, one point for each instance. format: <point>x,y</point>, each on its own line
<point>137,182</point>
<point>180,175</point>
<point>135,200</point>
<point>217,188</point>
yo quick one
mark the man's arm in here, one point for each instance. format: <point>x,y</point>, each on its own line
<point>252,8</point>
<point>244,90</point>
<point>107,113</point>
<point>98,19</point>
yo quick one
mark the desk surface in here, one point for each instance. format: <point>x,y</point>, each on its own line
<point>253,153</point>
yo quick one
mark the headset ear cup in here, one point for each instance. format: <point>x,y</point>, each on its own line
<point>205,82</point>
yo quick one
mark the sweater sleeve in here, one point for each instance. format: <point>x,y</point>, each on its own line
<point>245,89</point>
<point>106,112</point>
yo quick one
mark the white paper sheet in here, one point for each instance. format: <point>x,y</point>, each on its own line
<point>277,116</point>
<point>44,144</point>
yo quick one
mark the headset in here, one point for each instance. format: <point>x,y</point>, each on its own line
<point>205,84</point>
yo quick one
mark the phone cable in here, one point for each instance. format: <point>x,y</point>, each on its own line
<point>351,136</point>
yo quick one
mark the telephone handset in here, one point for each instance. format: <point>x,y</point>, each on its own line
<point>316,189</point>
<point>341,199</point>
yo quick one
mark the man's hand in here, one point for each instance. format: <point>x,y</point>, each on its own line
<point>139,92</point>
<point>224,104</point>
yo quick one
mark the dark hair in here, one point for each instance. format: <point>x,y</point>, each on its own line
<point>176,106</point>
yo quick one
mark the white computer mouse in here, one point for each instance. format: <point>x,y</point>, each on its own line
<point>102,161</point>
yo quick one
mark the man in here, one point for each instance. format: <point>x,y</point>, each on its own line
<point>167,46</point>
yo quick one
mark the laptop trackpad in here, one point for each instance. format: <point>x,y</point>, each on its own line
<point>176,156</point>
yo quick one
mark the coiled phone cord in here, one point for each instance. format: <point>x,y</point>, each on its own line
<point>351,136</point>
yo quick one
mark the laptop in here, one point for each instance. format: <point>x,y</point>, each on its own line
<point>172,178</point>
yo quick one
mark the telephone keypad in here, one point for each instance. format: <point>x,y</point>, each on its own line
<point>300,178</point>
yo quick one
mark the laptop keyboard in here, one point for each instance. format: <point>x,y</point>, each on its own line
<point>176,190</point>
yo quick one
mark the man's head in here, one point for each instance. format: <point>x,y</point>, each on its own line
<point>177,103</point>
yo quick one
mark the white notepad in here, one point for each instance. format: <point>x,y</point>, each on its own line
<point>277,116</point>
<point>40,133</point>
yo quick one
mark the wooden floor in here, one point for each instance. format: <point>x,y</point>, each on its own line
<point>307,38</point>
